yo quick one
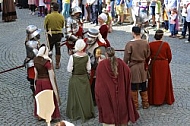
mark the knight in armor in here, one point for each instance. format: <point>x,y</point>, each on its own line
<point>95,48</point>
<point>32,44</point>
<point>94,39</point>
<point>74,28</point>
<point>143,16</point>
<point>145,34</point>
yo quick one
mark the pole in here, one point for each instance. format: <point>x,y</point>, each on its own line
<point>55,80</point>
<point>47,40</point>
<point>12,69</point>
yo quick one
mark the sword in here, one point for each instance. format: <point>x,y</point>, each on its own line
<point>24,65</point>
<point>12,69</point>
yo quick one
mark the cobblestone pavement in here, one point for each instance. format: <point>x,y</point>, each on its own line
<point>16,102</point>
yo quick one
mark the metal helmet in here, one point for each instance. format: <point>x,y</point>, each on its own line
<point>92,36</point>
<point>93,32</point>
<point>31,52</point>
<point>32,31</point>
<point>75,10</point>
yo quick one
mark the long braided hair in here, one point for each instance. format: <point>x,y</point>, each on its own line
<point>113,60</point>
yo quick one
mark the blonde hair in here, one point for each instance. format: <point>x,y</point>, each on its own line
<point>113,60</point>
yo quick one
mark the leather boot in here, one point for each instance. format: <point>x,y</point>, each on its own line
<point>58,57</point>
<point>144,97</point>
<point>135,98</point>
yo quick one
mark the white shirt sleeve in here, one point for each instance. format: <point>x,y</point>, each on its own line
<point>70,64</point>
<point>88,65</point>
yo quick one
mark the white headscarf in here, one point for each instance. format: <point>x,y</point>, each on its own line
<point>44,52</point>
<point>103,16</point>
<point>80,45</point>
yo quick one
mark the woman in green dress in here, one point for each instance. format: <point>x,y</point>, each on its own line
<point>79,102</point>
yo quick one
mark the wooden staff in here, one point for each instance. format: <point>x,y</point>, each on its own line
<point>48,45</point>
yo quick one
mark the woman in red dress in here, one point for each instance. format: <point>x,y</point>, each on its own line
<point>160,89</point>
<point>102,18</point>
<point>45,79</point>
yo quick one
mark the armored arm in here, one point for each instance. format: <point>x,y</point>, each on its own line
<point>71,37</point>
<point>71,28</point>
<point>31,52</point>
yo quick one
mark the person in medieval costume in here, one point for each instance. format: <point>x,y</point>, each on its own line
<point>74,29</point>
<point>79,103</point>
<point>54,23</point>
<point>32,45</point>
<point>135,58</point>
<point>142,17</point>
<point>104,29</point>
<point>45,78</point>
<point>160,89</point>
<point>109,18</point>
<point>143,13</point>
<point>9,11</point>
<point>94,39</point>
<point>95,48</point>
<point>113,91</point>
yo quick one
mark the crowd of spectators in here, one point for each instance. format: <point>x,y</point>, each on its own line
<point>171,15</point>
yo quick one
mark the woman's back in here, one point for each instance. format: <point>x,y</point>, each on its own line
<point>165,51</point>
<point>160,88</point>
<point>79,64</point>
